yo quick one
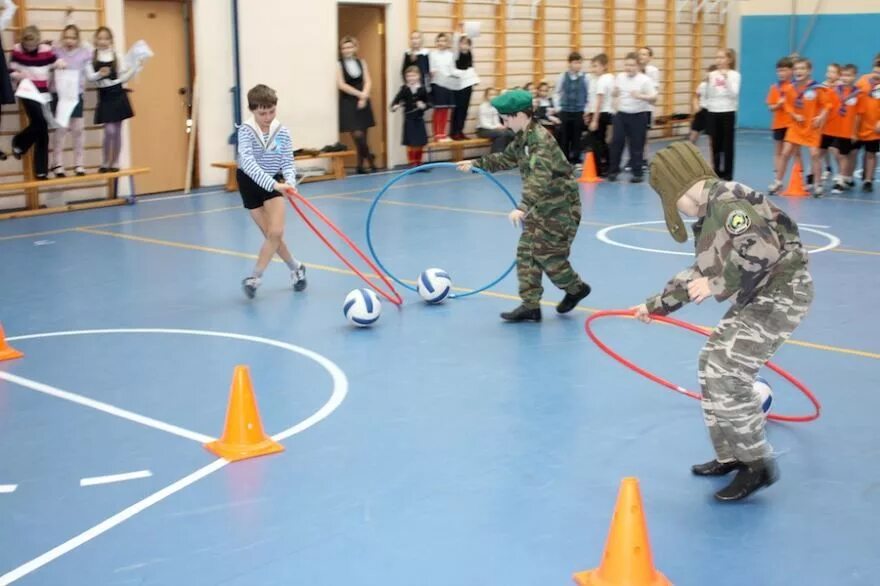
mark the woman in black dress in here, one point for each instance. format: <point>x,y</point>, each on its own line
<point>355,111</point>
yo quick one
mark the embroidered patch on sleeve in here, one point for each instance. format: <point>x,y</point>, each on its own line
<point>738,222</point>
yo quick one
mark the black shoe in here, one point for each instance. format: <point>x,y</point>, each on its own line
<point>868,187</point>
<point>571,300</point>
<point>715,468</point>
<point>612,177</point>
<point>522,313</point>
<point>750,478</point>
<point>637,179</point>
<point>3,156</point>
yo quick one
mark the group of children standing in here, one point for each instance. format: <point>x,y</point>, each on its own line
<point>841,115</point>
<point>38,61</point>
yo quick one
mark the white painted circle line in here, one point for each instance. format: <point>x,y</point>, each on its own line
<point>7,488</point>
<point>111,478</point>
<point>602,235</point>
<point>340,390</point>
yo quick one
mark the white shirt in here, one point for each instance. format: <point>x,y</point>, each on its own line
<point>605,88</point>
<point>654,74</point>
<point>701,94</point>
<point>592,87</point>
<point>488,118</point>
<point>352,66</point>
<point>627,86</point>
<point>722,91</point>
<point>442,66</point>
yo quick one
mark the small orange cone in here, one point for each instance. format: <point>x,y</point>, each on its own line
<point>7,352</point>
<point>588,175</point>
<point>627,560</point>
<point>796,183</point>
<point>243,435</point>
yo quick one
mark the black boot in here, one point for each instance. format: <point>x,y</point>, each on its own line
<point>522,313</point>
<point>571,300</point>
<point>750,478</point>
<point>715,468</point>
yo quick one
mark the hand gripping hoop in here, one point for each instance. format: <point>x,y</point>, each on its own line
<point>293,196</point>
<point>405,174</point>
<point>672,321</point>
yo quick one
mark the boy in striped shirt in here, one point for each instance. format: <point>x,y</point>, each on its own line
<point>265,171</point>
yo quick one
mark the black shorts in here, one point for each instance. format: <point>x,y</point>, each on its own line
<point>827,142</point>
<point>698,124</point>
<point>843,145</point>
<point>252,195</point>
<point>871,146</point>
<point>779,134</point>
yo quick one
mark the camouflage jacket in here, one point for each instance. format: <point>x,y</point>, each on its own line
<point>549,186</point>
<point>743,243</point>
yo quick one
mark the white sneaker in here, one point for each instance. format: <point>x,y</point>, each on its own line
<point>826,174</point>
<point>818,191</point>
<point>249,286</point>
<point>774,187</point>
<point>298,278</point>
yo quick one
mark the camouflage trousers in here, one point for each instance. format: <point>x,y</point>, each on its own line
<point>744,340</point>
<point>542,250</point>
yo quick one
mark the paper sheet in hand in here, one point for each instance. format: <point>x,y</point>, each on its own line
<point>67,87</point>
<point>138,53</point>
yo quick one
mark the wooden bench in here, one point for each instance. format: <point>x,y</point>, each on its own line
<point>32,188</point>
<point>666,125</point>
<point>337,168</point>
<point>456,147</point>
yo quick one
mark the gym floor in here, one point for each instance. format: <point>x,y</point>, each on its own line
<point>439,447</point>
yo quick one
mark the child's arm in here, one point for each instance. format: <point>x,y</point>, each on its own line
<point>248,164</point>
<point>502,161</point>
<point>775,101</point>
<point>397,99</point>
<point>288,167</point>
<point>825,104</point>
<point>675,293</point>
<point>9,9</point>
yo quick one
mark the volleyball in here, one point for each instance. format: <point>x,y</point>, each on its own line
<point>765,392</point>
<point>362,307</point>
<point>434,285</point>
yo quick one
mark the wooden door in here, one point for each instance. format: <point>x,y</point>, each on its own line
<point>367,24</point>
<point>160,93</point>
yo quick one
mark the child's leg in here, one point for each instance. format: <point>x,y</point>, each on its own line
<point>551,253</point>
<point>272,227</point>
<point>777,157</point>
<point>112,131</point>
<point>618,141</point>
<point>58,138</point>
<point>77,128</point>
<point>788,151</point>
<point>261,219</point>
<point>744,340</point>
<point>870,166</point>
<point>638,135</point>
<point>816,160</point>
<point>529,272</point>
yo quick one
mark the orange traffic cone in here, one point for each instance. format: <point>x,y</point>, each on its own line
<point>588,175</point>
<point>7,352</point>
<point>796,183</point>
<point>243,435</point>
<point>627,560</point>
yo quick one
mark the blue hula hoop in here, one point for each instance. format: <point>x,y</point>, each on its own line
<point>409,172</point>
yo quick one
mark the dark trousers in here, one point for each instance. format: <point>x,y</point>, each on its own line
<point>35,134</point>
<point>631,129</point>
<point>570,135</point>
<point>501,137</point>
<point>720,126</point>
<point>599,142</point>
<point>462,100</point>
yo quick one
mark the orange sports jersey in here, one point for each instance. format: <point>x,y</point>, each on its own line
<point>780,118</point>
<point>807,99</point>
<point>869,114</point>
<point>864,83</point>
<point>844,102</point>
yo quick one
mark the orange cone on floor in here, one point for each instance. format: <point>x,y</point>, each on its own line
<point>627,560</point>
<point>588,174</point>
<point>796,183</point>
<point>243,435</point>
<point>7,352</point>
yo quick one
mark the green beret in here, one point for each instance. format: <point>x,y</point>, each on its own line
<point>512,102</point>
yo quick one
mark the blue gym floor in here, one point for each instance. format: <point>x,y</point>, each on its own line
<point>440,447</point>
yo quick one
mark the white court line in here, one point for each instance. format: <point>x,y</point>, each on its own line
<point>150,199</point>
<point>105,407</point>
<point>110,478</point>
<point>7,488</point>
<point>340,390</point>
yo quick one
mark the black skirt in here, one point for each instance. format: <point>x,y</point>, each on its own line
<point>7,95</point>
<point>113,105</point>
<point>698,124</point>
<point>350,117</point>
<point>414,133</point>
<point>442,97</point>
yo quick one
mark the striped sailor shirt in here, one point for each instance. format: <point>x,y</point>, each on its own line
<point>262,156</point>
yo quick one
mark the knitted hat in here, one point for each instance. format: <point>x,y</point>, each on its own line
<point>512,102</point>
<point>674,170</point>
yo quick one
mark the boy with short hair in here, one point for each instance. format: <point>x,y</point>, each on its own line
<point>635,94</point>
<point>572,102</point>
<point>749,251</point>
<point>869,124</point>
<point>603,112</point>
<point>776,104</point>
<point>550,210</point>
<point>265,172</point>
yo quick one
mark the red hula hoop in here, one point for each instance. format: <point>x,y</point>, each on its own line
<point>394,297</point>
<point>651,376</point>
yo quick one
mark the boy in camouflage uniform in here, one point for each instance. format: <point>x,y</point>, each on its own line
<point>550,210</point>
<point>749,251</point>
